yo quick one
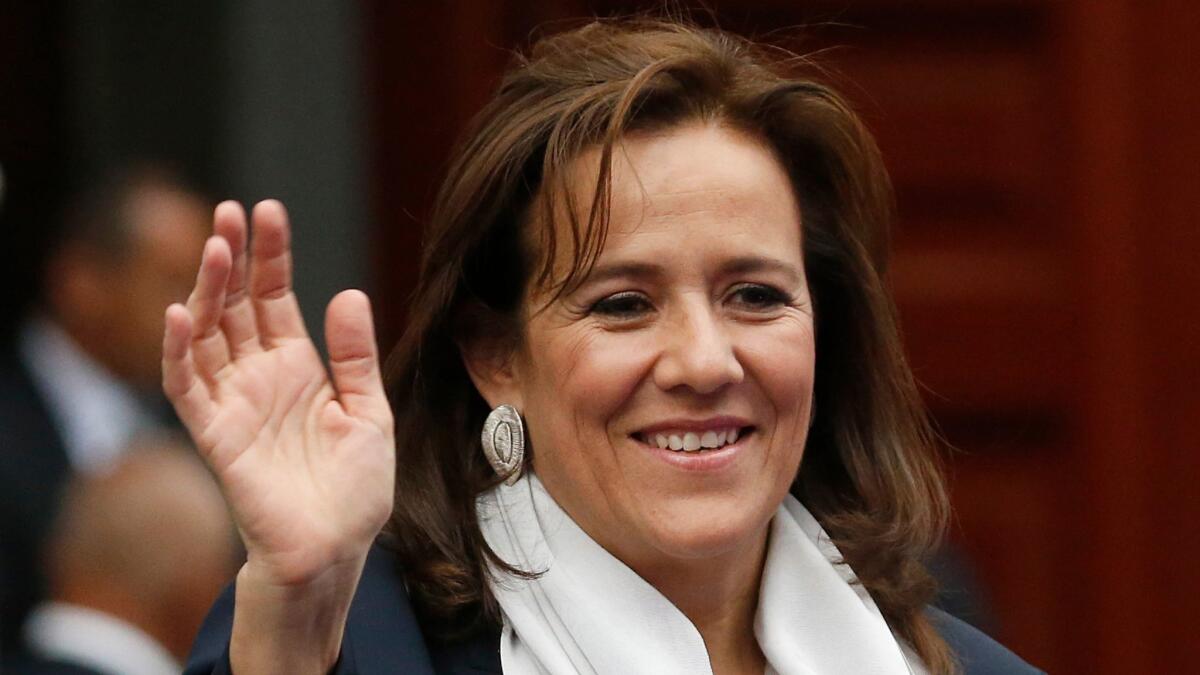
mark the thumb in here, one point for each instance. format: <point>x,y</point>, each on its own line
<point>354,358</point>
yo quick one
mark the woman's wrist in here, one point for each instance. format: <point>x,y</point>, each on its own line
<point>287,627</point>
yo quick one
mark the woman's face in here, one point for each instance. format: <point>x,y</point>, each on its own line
<point>668,397</point>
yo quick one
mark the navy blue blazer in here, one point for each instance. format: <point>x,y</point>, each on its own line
<point>382,636</point>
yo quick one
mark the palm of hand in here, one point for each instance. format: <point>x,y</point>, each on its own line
<point>306,463</point>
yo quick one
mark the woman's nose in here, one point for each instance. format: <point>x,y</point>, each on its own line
<point>697,353</point>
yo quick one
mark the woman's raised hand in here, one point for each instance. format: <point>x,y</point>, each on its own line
<point>306,462</point>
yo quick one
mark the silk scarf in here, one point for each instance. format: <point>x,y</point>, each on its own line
<point>588,613</point>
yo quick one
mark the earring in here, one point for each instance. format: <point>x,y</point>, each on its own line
<point>504,442</point>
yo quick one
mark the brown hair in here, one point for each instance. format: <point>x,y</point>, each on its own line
<point>869,472</point>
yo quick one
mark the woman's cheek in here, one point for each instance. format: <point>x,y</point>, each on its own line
<point>782,349</point>
<point>587,377</point>
<point>781,359</point>
<point>610,365</point>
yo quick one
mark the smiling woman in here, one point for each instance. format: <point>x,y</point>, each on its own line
<point>695,321</point>
<point>672,385</point>
<point>657,263</point>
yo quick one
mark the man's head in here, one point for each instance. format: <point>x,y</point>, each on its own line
<point>129,248</point>
<point>149,542</point>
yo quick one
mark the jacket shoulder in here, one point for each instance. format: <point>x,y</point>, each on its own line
<point>977,653</point>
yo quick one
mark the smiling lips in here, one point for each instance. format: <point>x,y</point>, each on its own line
<point>692,441</point>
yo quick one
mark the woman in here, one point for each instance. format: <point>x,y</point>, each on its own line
<point>653,279</point>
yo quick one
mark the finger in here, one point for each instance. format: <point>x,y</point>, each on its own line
<point>237,321</point>
<point>354,358</point>
<point>187,392</point>
<point>206,304</point>
<point>275,308</point>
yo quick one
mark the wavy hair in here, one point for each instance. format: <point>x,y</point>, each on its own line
<point>870,473</point>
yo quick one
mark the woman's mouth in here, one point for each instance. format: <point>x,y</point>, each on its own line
<point>681,440</point>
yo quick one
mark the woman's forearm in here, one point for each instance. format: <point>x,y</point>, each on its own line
<point>291,628</point>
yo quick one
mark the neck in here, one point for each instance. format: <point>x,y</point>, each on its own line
<point>720,597</point>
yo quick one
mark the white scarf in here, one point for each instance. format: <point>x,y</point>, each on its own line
<point>590,613</point>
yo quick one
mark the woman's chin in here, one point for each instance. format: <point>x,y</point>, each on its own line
<point>697,530</point>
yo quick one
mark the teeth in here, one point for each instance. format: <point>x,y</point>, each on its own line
<point>690,441</point>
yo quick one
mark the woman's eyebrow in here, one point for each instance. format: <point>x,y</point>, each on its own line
<point>749,264</point>
<point>732,267</point>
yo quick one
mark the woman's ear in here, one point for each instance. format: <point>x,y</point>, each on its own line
<point>492,367</point>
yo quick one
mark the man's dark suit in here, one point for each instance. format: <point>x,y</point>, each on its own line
<point>382,636</point>
<point>33,469</point>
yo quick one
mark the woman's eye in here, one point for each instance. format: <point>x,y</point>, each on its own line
<point>758,297</point>
<point>627,305</point>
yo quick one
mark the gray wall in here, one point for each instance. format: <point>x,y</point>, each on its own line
<point>256,98</point>
<point>295,132</point>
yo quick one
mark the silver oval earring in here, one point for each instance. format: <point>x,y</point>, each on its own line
<point>504,442</point>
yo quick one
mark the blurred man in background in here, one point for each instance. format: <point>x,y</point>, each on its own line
<point>81,378</point>
<point>134,559</point>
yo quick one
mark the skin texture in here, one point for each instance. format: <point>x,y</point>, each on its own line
<point>697,308</point>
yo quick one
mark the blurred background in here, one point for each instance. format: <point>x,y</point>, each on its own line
<point>1046,157</point>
